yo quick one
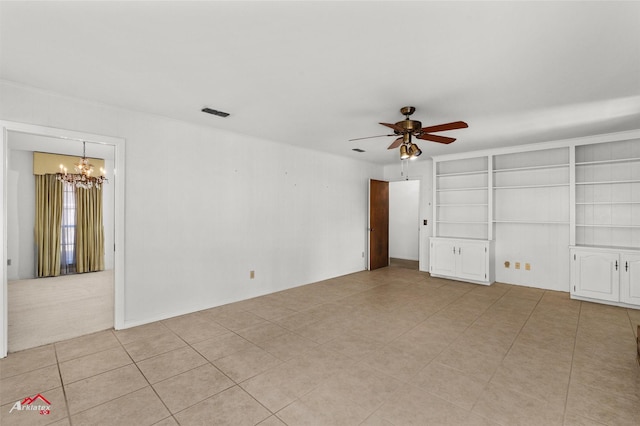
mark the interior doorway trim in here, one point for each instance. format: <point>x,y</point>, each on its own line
<point>119,223</point>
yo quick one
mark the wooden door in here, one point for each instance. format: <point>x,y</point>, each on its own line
<point>378,224</point>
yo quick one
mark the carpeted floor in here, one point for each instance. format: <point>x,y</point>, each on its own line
<point>47,310</point>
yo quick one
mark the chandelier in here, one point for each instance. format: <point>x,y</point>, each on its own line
<point>82,177</point>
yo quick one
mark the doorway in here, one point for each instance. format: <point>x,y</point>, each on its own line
<point>394,228</point>
<point>404,223</point>
<point>21,140</point>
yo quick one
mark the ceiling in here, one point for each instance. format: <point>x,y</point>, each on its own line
<point>316,74</point>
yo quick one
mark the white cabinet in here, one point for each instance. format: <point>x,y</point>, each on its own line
<point>630,278</point>
<point>461,259</point>
<point>443,257</point>
<point>596,275</point>
<point>607,275</point>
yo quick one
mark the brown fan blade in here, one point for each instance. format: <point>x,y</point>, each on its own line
<point>395,143</point>
<point>369,137</point>
<point>442,127</point>
<point>436,138</point>
<point>394,127</point>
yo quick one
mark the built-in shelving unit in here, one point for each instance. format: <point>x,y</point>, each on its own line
<point>607,194</point>
<point>531,215</point>
<point>532,187</point>
<point>462,198</point>
<point>539,205</point>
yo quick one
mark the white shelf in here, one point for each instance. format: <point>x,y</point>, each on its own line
<point>607,186</point>
<point>620,160</point>
<point>479,188</point>
<point>545,222</point>
<point>461,222</point>
<point>517,169</point>
<point>606,203</point>
<point>608,182</point>
<point>585,225</point>
<point>548,185</point>
<point>478,172</point>
<point>461,188</point>
<point>608,247</point>
<point>463,205</point>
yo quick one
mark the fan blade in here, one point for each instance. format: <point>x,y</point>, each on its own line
<point>369,137</point>
<point>395,143</point>
<point>443,127</point>
<point>436,138</point>
<point>398,129</point>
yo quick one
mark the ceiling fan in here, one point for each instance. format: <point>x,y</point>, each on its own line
<point>407,128</point>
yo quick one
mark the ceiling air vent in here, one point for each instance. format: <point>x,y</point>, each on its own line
<point>358,150</point>
<point>215,112</point>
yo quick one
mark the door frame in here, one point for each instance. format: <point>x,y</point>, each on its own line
<point>119,213</point>
<point>419,219</point>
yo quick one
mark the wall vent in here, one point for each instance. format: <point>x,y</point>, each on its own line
<point>215,112</point>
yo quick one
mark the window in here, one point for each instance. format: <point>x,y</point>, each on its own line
<point>68,234</point>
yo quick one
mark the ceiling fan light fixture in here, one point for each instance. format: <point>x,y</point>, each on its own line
<point>404,153</point>
<point>415,151</point>
<point>407,129</point>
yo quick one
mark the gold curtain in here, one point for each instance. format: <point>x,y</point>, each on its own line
<point>89,230</point>
<point>48,224</point>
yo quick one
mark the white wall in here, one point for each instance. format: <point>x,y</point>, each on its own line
<point>21,214</point>
<point>404,224</point>
<point>420,169</point>
<point>199,218</point>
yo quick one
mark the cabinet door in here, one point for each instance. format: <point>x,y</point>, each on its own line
<point>630,278</point>
<point>443,257</point>
<point>472,261</point>
<point>597,275</point>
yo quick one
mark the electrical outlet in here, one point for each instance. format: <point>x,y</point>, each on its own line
<point>507,264</point>
<point>8,262</point>
<point>363,254</point>
<point>252,274</point>
<point>527,266</point>
<point>517,265</point>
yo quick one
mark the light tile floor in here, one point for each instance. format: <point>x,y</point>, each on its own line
<point>388,347</point>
